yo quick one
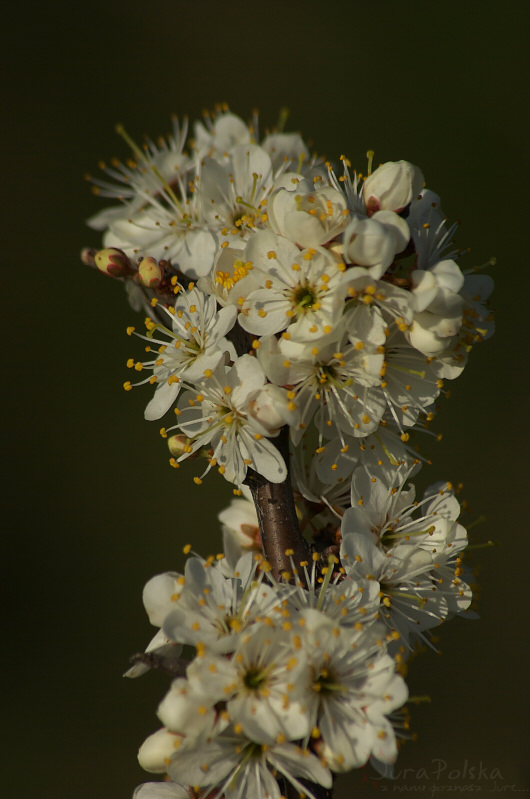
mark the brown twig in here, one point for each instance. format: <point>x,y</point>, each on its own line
<point>175,667</point>
<point>278,522</point>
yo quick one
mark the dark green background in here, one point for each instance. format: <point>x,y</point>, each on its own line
<point>93,510</point>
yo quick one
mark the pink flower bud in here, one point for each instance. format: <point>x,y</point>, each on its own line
<point>392,186</point>
<point>150,273</point>
<point>113,262</point>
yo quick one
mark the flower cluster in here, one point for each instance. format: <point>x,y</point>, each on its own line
<point>300,323</point>
<point>280,294</point>
<point>294,680</point>
<point>301,680</point>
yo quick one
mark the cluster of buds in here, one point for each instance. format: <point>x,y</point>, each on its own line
<point>300,324</point>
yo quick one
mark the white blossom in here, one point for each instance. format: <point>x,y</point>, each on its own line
<point>347,673</point>
<point>194,344</point>
<point>238,767</point>
<point>306,212</point>
<point>301,290</point>
<point>213,610</point>
<point>412,555</point>
<point>217,413</point>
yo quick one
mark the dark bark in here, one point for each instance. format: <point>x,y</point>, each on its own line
<point>278,522</point>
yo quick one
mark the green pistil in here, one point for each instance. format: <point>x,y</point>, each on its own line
<point>475,522</point>
<point>325,684</point>
<point>325,583</point>
<point>327,375</point>
<point>370,155</point>
<point>390,534</point>
<point>282,119</point>
<point>159,326</point>
<point>406,370</point>
<point>304,297</point>
<point>241,201</point>
<point>388,593</point>
<point>254,679</point>
<point>385,449</point>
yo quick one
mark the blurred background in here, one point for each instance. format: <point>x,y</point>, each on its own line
<point>93,509</point>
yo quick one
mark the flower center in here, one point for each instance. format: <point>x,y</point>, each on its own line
<point>304,297</point>
<point>326,683</point>
<point>254,678</point>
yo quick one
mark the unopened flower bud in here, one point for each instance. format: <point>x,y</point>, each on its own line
<point>370,244</point>
<point>177,445</point>
<point>392,186</point>
<point>150,273</point>
<point>240,529</point>
<point>113,262</point>
<point>180,445</point>
<point>397,226</point>
<point>157,749</point>
<point>271,410</point>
